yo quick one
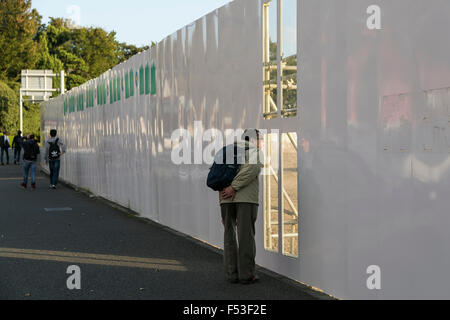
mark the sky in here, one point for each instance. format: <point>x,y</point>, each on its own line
<point>137,22</point>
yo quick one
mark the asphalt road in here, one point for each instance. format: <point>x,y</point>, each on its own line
<point>120,257</point>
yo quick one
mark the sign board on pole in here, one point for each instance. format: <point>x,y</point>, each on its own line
<point>37,84</point>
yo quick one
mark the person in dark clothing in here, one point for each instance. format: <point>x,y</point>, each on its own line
<point>30,155</point>
<point>17,146</point>
<point>4,146</point>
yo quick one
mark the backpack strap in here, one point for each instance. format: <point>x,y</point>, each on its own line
<point>54,142</point>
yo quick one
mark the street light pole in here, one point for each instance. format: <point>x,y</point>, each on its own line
<point>21,111</point>
<point>63,90</point>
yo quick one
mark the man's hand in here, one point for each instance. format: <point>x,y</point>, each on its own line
<point>228,193</point>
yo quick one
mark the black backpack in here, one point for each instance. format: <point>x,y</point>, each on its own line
<point>227,164</point>
<point>31,150</point>
<point>54,151</point>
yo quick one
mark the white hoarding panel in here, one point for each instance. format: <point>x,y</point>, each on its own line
<point>367,197</point>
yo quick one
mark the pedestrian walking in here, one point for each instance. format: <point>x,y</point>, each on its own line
<point>54,149</point>
<point>30,156</point>
<point>17,146</point>
<point>4,146</point>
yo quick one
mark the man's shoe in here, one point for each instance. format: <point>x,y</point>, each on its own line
<point>23,186</point>
<point>253,280</point>
<point>33,186</point>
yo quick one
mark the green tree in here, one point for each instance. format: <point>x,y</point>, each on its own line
<point>45,60</point>
<point>58,33</point>
<point>31,119</point>
<point>18,27</point>
<point>25,43</point>
<point>9,108</point>
<point>84,52</point>
<point>60,49</point>
<point>9,113</point>
<point>75,68</point>
<point>97,48</point>
<point>126,51</point>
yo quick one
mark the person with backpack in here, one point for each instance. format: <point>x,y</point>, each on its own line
<point>4,146</point>
<point>17,146</point>
<point>54,149</point>
<point>30,156</point>
<point>238,182</point>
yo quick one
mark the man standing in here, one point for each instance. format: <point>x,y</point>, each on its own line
<point>4,146</point>
<point>17,146</point>
<point>54,149</point>
<point>239,206</point>
<point>30,155</point>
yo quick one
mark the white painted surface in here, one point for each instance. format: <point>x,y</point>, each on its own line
<point>373,122</point>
